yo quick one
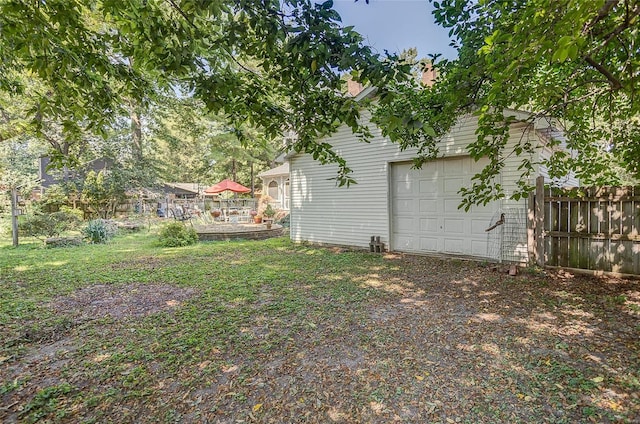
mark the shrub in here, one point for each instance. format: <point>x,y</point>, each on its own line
<point>100,230</point>
<point>269,212</point>
<point>43,225</point>
<point>177,234</point>
<point>75,215</point>
<point>5,227</point>
<point>285,221</point>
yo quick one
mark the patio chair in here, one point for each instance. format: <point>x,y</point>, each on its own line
<point>180,215</point>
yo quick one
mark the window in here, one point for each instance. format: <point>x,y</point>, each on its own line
<point>287,194</point>
<point>273,190</point>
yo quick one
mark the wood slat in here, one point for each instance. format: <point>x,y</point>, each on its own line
<point>596,228</point>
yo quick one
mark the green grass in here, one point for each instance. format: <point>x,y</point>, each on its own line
<point>271,331</point>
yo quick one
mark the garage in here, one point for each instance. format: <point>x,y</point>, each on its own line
<point>424,209</point>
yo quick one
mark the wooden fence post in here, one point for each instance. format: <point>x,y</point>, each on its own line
<point>14,216</point>
<point>531,228</point>
<point>539,221</point>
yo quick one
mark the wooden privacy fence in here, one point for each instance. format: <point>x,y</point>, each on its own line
<point>592,228</point>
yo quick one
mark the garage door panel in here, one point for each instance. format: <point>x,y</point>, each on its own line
<point>429,171</point>
<point>478,248</point>
<point>480,209</point>
<point>429,244</point>
<point>478,226</point>
<point>406,244</point>
<point>401,206</point>
<point>452,185</point>
<point>428,225</point>
<point>454,226</point>
<point>428,206</point>
<point>429,187</point>
<point>451,206</point>
<point>454,245</point>
<point>403,187</point>
<point>476,167</point>
<point>404,224</point>
<point>455,166</point>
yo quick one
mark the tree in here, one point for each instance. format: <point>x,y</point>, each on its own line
<point>573,63</point>
<point>18,164</point>
<point>193,145</point>
<point>266,64</point>
<point>103,191</point>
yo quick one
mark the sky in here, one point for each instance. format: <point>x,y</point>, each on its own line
<point>396,25</point>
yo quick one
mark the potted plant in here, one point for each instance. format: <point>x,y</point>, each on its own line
<point>269,212</point>
<point>257,218</point>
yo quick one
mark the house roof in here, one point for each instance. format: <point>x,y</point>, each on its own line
<point>276,172</point>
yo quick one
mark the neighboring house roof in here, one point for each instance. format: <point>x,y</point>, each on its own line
<point>184,188</point>
<point>276,172</point>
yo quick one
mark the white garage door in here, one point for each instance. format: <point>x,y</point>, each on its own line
<point>425,215</point>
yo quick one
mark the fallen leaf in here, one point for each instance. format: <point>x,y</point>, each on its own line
<point>230,369</point>
<point>257,407</point>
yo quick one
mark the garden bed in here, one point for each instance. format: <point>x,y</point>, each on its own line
<point>227,231</point>
<point>64,241</point>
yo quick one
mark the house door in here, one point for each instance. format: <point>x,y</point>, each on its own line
<point>424,209</point>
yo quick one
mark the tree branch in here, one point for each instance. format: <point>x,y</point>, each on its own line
<point>613,81</point>
<point>628,22</point>
<point>195,27</point>
<point>602,13</point>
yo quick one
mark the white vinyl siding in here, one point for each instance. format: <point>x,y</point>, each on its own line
<point>567,181</point>
<point>322,212</point>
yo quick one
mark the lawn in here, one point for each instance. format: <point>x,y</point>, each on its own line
<point>273,332</point>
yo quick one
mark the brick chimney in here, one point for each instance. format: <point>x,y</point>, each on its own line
<point>429,75</point>
<point>354,88</point>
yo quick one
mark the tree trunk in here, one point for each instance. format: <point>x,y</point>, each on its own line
<point>252,181</point>
<point>233,170</point>
<point>136,133</point>
<point>14,215</point>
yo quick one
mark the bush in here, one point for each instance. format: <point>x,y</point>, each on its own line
<point>269,212</point>
<point>75,215</point>
<point>43,225</point>
<point>177,234</point>
<point>100,230</point>
<point>285,221</point>
<point>5,226</point>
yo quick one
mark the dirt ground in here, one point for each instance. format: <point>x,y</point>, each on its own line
<point>447,342</point>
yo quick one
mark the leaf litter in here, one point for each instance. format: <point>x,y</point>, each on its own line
<point>413,339</point>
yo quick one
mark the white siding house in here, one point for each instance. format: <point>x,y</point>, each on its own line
<point>411,210</point>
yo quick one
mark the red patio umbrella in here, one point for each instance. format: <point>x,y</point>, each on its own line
<point>225,185</point>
